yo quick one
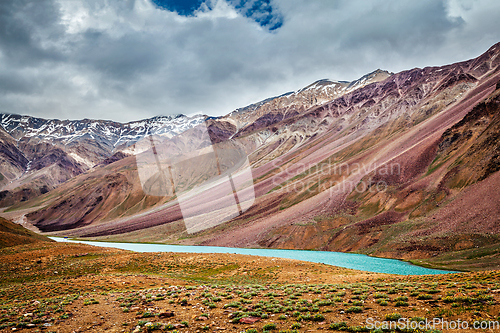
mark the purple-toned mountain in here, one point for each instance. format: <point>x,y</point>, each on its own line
<point>37,155</point>
<point>320,159</point>
<point>288,105</point>
<point>40,154</point>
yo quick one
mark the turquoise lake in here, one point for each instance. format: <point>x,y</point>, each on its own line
<point>347,260</point>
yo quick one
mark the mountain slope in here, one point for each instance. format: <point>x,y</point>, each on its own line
<point>373,170</point>
<point>37,155</point>
<point>443,199</point>
<point>403,129</point>
<point>276,109</point>
<point>12,234</point>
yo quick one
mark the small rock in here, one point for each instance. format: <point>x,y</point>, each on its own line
<point>179,325</point>
<point>249,320</point>
<point>166,314</point>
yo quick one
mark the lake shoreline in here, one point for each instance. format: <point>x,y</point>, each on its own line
<point>355,261</point>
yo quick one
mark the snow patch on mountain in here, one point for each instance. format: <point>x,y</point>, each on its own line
<point>112,133</point>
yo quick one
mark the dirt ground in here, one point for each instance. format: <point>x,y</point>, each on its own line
<point>65,287</point>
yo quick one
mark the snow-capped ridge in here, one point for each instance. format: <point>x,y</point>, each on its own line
<point>66,131</point>
<point>314,94</point>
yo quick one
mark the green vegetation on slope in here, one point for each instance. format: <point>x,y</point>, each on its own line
<point>12,234</point>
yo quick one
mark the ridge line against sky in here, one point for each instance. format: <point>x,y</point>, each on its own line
<point>126,60</point>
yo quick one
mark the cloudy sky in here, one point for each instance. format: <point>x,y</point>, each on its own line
<point>131,59</point>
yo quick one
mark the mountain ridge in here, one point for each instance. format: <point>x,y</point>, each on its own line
<point>51,151</point>
<point>401,119</point>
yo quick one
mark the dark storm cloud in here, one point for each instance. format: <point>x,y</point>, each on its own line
<point>133,59</point>
<point>13,82</point>
<point>25,28</point>
<point>421,23</point>
<point>120,58</point>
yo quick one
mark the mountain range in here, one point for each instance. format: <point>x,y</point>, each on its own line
<point>40,154</point>
<point>400,165</point>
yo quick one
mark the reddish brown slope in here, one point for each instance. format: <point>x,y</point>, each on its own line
<point>12,234</point>
<point>413,151</point>
<point>399,121</point>
<point>435,210</point>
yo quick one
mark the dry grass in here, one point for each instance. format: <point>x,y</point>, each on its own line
<point>64,287</point>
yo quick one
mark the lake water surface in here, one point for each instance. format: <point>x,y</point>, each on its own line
<point>347,260</point>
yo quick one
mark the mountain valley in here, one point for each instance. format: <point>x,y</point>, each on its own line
<point>400,165</point>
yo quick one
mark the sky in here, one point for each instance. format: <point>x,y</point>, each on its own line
<point>127,60</point>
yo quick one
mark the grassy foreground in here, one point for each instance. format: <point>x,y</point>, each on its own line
<point>67,287</point>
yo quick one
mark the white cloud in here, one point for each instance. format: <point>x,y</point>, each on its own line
<point>128,59</point>
<point>214,9</point>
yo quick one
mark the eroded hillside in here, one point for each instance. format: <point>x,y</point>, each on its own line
<point>404,166</point>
